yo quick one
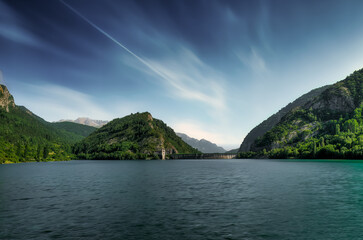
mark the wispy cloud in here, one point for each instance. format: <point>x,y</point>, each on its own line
<point>253,60</point>
<point>17,34</point>
<point>187,76</point>
<point>190,78</point>
<point>54,102</point>
<point>9,28</point>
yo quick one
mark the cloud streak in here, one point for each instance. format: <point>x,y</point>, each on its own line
<point>10,30</point>
<point>180,81</point>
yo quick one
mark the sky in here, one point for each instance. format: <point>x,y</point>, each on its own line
<point>210,69</point>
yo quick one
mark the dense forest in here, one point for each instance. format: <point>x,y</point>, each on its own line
<point>26,137</point>
<point>76,128</point>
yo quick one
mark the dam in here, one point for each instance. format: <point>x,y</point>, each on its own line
<point>203,156</point>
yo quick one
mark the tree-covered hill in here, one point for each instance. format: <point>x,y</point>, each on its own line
<point>136,136</point>
<point>75,128</point>
<point>269,123</point>
<point>27,137</point>
<point>329,125</point>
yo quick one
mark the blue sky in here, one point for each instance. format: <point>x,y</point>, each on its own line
<point>210,69</point>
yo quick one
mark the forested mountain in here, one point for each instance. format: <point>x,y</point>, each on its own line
<point>329,125</point>
<point>27,137</point>
<point>76,128</point>
<point>136,136</point>
<point>232,151</point>
<point>202,145</point>
<point>270,122</point>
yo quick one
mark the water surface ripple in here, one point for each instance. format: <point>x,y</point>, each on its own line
<point>183,199</point>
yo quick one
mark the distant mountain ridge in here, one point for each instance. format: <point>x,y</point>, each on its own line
<point>76,128</point>
<point>87,121</point>
<point>202,145</point>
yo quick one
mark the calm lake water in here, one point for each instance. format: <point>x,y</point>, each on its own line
<point>183,199</point>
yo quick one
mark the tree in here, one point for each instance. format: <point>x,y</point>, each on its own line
<point>337,129</point>
<point>38,152</point>
<point>314,149</point>
<point>322,144</point>
<point>45,152</point>
<point>26,151</point>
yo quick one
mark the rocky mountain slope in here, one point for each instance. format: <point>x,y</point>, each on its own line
<point>136,136</point>
<point>329,125</point>
<point>6,99</point>
<point>202,145</point>
<point>270,122</point>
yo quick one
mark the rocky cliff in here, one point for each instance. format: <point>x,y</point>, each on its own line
<point>6,99</point>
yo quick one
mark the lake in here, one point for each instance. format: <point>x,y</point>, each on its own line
<point>182,199</point>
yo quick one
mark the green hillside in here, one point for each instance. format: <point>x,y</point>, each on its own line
<point>136,136</point>
<point>75,128</point>
<point>27,137</point>
<point>330,125</point>
<point>270,122</point>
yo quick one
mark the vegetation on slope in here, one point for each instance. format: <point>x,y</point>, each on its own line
<point>269,123</point>
<point>26,137</point>
<point>328,126</point>
<point>75,128</point>
<point>137,136</point>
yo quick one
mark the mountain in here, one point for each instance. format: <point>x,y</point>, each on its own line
<point>27,137</point>
<point>75,128</point>
<point>202,145</point>
<point>328,125</point>
<point>270,122</point>
<point>136,136</point>
<point>87,121</point>
<point>232,151</point>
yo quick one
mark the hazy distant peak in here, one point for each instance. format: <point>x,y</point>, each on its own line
<point>202,145</point>
<point>87,121</point>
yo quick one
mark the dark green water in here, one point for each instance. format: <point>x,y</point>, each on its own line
<point>184,199</point>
